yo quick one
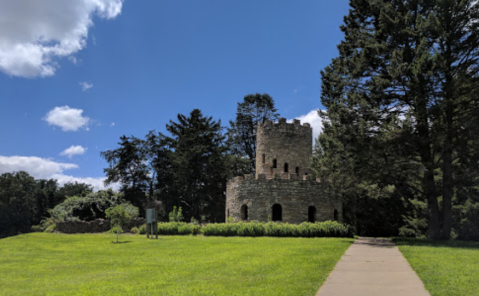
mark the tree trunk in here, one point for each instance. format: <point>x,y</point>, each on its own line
<point>424,144</point>
<point>447,158</point>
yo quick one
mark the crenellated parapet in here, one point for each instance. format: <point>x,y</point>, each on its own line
<point>283,148</point>
<point>282,189</point>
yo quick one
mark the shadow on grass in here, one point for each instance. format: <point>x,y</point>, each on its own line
<point>419,242</point>
<point>120,242</point>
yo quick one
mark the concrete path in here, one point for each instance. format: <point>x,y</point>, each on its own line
<point>373,267</point>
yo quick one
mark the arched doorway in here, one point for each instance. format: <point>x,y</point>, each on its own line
<point>244,212</point>
<point>277,212</point>
<point>312,214</point>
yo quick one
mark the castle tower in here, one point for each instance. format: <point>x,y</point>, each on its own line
<point>282,189</point>
<point>283,149</point>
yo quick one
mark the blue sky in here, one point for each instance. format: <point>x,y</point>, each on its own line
<point>75,76</point>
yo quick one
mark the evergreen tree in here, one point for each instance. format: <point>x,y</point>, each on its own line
<point>255,109</point>
<point>199,166</point>
<point>128,166</point>
<point>403,96</point>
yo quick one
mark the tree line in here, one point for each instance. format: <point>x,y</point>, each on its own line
<point>26,201</point>
<point>401,126</point>
<point>189,167</point>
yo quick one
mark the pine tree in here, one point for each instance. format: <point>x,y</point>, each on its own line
<point>403,92</point>
<point>255,109</point>
<point>199,166</point>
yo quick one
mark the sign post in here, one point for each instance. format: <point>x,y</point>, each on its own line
<point>151,223</point>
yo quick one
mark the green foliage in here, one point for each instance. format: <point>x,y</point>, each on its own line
<point>255,109</point>
<point>178,228</point>
<point>135,230</point>
<point>17,203</point>
<point>399,125</point>
<point>468,226</point>
<point>306,229</point>
<point>142,229</point>
<point>37,228</point>
<point>128,166</point>
<point>51,228</point>
<point>118,218</point>
<point>188,168</point>
<point>91,206</point>
<point>88,264</point>
<point>176,215</point>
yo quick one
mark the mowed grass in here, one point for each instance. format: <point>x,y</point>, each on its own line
<point>90,264</point>
<point>447,268</point>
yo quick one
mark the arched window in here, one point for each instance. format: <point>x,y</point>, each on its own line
<point>336,215</point>
<point>312,214</point>
<point>297,171</point>
<point>264,158</point>
<point>275,163</point>
<point>277,212</point>
<point>228,214</point>
<point>285,167</point>
<point>244,212</point>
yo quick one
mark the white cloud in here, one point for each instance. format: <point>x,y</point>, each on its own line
<point>314,120</point>
<point>97,183</point>
<point>73,150</point>
<point>85,85</point>
<point>69,119</point>
<point>112,124</point>
<point>34,33</point>
<point>38,167</point>
<point>42,168</point>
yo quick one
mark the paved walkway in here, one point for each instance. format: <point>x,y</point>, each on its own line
<point>373,267</point>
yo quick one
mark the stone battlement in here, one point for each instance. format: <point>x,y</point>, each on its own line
<point>296,124</point>
<point>266,177</point>
<point>283,148</point>
<point>283,188</point>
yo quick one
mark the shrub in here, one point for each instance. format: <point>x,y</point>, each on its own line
<point>306,229</point>
<point>221,229</point>
<point>135,230</point>
<point>51,228</point>
<point>181,228</point>
<point>37,228</point>
<point>176,215</point>
<point>142,229</point>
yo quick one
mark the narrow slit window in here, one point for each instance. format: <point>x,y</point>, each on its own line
<point>312,214</point>
<point>285,167</point>
<point>275,163</point>
<point>244,212</point>
<point>264,158</point>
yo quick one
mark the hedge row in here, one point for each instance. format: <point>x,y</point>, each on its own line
<point>178,228</point>
<point>318,229</point>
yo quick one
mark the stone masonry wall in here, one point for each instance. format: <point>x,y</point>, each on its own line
<point>295,196</point>
<point>289,143</point>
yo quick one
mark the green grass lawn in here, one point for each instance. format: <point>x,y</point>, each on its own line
<point>447,268</point>
<point>90,264</point>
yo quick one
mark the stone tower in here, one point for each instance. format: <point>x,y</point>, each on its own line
<point>283,148</point>
<point>282,189</point>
